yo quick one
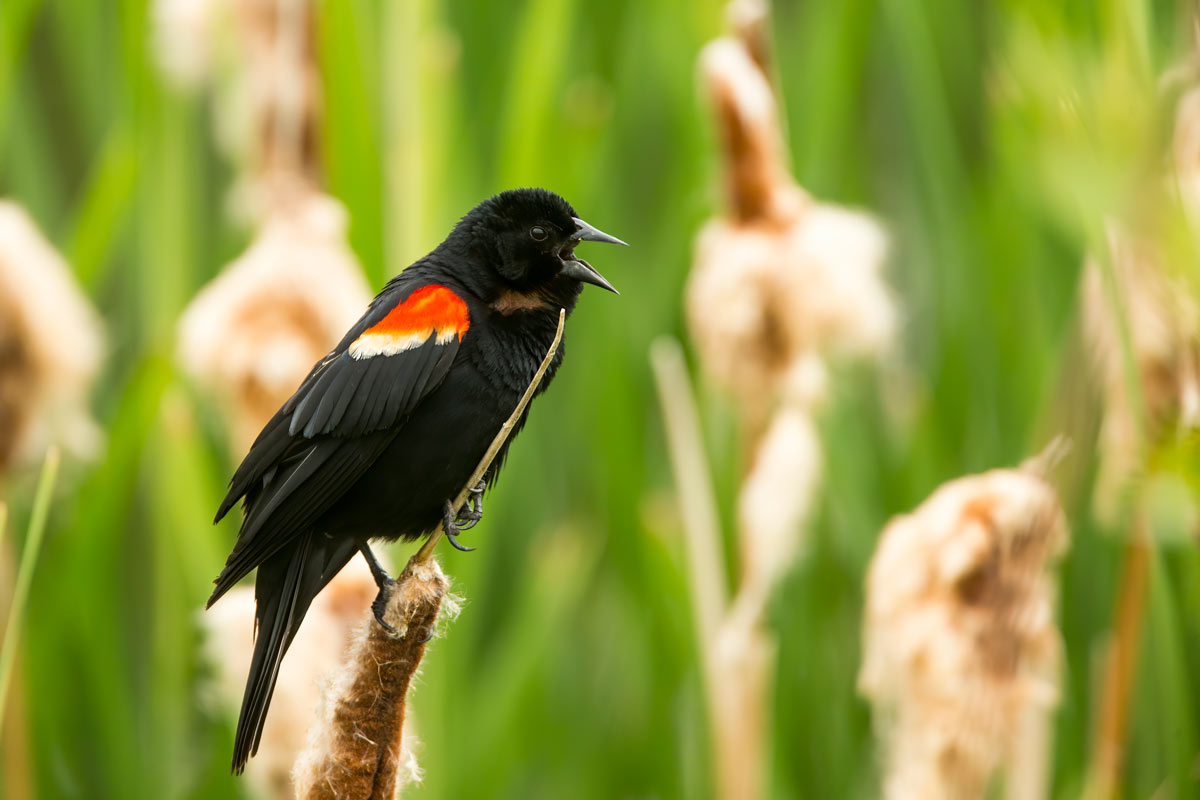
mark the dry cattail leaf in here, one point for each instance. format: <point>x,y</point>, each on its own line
<point>960,644</point>
<point>774,500</point>
<point>256,330</point>
<point>355,751</point>
<point>1162,320</point>
<point>51,344</point>
<point>312,660</point>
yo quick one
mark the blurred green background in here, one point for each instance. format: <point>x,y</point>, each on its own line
<point>572,671</point>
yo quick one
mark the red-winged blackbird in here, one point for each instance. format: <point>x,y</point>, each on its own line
<point>388,426</point>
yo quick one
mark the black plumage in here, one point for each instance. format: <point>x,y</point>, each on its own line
<point>390,424</point>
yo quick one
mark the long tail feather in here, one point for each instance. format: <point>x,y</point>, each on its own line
<point>284,588</point>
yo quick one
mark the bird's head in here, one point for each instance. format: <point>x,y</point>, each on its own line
<point>530,236</point>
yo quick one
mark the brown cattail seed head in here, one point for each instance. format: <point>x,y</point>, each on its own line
<point>260,58</point>
<point>257,329</point>
<point>51,343</point>
<point>1161,317</point>
<point>761,298</point>
<point>312,660</point>
<point>758,182</point>
<point>185,40</point>
<point>1186,152</point>
<point>959,635</point>
<point>781,278</point>
<point>355,751</point>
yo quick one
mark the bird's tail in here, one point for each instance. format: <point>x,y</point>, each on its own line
<point>284,588</point>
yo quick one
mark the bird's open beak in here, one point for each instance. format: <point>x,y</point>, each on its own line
<point>581,270</point>
<point>586,233</point>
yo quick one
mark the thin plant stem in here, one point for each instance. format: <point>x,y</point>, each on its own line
<point>1121,663</point>
<point>706,560</point>
<point>287,127</point>
<point>506,429</point>
<point>1108,748</point>
<point>33,543</point>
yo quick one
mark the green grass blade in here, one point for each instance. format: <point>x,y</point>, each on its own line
<point>103,208</point>
<point>33,545</point>
<point>16,23</point>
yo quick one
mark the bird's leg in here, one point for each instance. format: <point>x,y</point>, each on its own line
<point>452,530</point>
<point>470,515</point>
<point>385,583</point>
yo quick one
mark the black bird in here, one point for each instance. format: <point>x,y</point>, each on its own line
<point>388,427</point>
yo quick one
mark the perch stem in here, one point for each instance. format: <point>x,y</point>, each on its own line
<point>506,429</point>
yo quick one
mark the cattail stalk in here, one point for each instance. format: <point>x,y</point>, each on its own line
<point>706,562</point>
<point>736,656</point>
<point>781,283</point>
<point>1120,669</point>
<point>1143,327</point>
<point>355,751</point>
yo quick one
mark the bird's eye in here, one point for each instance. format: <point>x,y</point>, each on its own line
<point>538,233</point>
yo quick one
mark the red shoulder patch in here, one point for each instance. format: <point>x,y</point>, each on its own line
<point>427,311</point>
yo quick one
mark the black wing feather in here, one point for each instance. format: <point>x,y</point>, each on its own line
<point>326,436</point>
<point>337,409</point>
<point>268,450</point>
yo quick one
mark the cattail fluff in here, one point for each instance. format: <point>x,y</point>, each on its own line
<point>51,346</point>
<point>959,638</point>
<point>1157,309</point>
<point>358,748</point>
<point>313,660</point>
<point>255,331</point>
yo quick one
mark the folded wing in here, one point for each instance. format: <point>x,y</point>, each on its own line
<point>341,419</point>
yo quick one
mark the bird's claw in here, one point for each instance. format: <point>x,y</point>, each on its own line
<point>385,583</point>
<point>470,514</point>
<point>379,606</point>
<point>452,530</point>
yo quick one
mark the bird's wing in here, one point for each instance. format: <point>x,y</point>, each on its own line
<point>342,417</point>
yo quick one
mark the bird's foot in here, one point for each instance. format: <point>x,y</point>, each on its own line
<point>452,530</point>
<point>385,583</point>
<point>379,606</point>
<point>470,514</point>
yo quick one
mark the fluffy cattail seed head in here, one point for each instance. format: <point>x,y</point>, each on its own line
<point>257,329</point>
<point>1161,316</point>
<point>51,343</point>
<point>1185,151</point>
<point>356,749</point>
<point>312,660</point>
<point>259,59</point>
<point>781,278</point>
<point>761,298</point>
<point>959,635</point>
